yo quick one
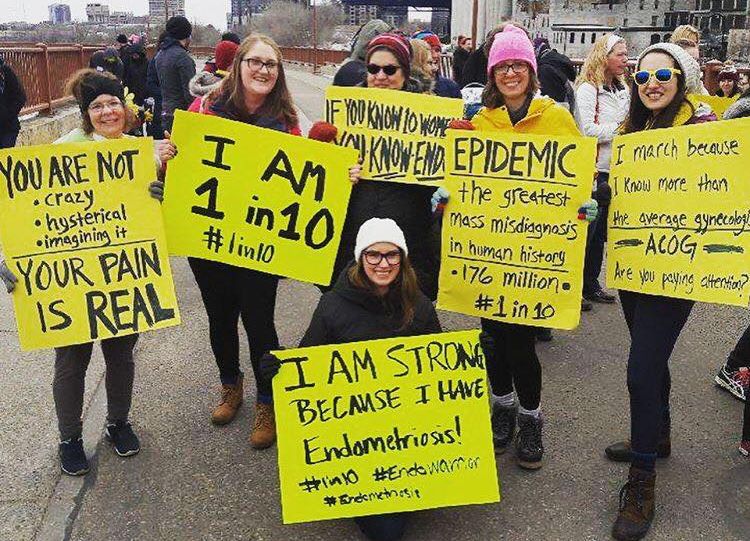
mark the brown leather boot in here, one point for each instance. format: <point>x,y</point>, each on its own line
<point>636,506</point>
<point>264,429</point>
<point>231,400</point>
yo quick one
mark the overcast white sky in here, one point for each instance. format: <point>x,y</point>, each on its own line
<point>33,11</point>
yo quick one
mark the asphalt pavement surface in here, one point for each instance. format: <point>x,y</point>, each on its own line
<point>194,481</point>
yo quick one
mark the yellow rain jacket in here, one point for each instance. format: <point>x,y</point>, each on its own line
<point>545,117</point>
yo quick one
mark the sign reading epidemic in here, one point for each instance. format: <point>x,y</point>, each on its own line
<point>400,136</point>
<point>384,426</point>
<point>256,198</point>
<point>86,242</point>
<point>513,245</point>
<point>679,221</point>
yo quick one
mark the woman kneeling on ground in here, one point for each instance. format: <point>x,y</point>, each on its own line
<point>511,105</point>
<point>101,99</point>
<point>376,296</point>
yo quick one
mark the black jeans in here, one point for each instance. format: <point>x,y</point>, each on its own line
<point>71,363</point>
<point>514,363</point>
<point>230,293</point>
<point>655,324</point>
<point>597,237</point>
<point>388,527</point>
<point>8,139</point>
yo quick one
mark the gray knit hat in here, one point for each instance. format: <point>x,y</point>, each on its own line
<point>689,67</point>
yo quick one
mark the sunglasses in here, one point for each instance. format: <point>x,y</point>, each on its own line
<point>374,69</point>
<point>663,75</point>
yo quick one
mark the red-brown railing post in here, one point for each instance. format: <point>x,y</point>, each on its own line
<point>46,79</point>
<point>82,61</point>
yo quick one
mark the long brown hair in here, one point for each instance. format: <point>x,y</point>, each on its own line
<point>277,105</point>
<point>641,118</point>
<point>402,294</point>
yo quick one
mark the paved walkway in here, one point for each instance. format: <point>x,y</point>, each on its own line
<point>194,481</point>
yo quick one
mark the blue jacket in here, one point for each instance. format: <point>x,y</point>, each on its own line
<point>446,88</point>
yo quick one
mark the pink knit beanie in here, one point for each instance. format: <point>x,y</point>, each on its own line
<point>511,44</point>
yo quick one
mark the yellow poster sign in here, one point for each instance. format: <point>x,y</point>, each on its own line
<point>718,104</point>
<point>400,136</point>
<point>513,245</point>
<point>86,242</point>
<point>679,222</point>
<point>256,198</point>
<point>384,426</point>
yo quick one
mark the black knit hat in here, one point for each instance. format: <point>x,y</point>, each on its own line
<point>231,36</point>
<point>178,27</point>
<point>94,85</point>
<point>122,38</point>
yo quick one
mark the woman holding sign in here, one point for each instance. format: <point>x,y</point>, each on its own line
<point>388,59</point>
<point>664,75</point>
<point>511,105</point>
<point>105,114</point>
<point>377,296</point>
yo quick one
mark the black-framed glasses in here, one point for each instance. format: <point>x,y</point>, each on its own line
<point>373,257</point>
<point>390,69</point>
<point>663,75</point>
<point>256,64</point>
<point>515,67</point>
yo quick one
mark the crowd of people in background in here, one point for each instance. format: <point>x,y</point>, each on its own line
<point>385,272</point>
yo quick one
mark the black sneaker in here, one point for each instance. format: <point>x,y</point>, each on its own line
<point>600,296</point>
<point>503,426</point>
<point>730,380</point>
<point>586,306</point>
<point>529,446</point>
<point>72,458</point>
<point>121,434</point>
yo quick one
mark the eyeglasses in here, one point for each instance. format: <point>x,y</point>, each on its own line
<point>112,105</point>
<point>374,69</point>
<point>662,75</point>
<point>255,64</point>
<point>515,67</point>
<point>373,257</point>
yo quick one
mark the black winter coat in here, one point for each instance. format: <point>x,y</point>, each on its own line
<point>555,70</point>
<point>12,100</point>
<point>136,73</point>
<point>174,67</point>
<point>475,68</point>
<point>351,73</point>
<point>460,56</point>
<point>348,314</point>
<point>408,205</point>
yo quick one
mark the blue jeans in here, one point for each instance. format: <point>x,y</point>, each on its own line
<point>388,527</point>
<point>655,324</point>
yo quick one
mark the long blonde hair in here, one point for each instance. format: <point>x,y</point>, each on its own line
<point>595,65</point>
<point>686,32</point>
<point>420,61</point>
<point>277,105</point>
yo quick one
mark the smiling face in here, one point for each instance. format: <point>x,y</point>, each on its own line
<point>654,95</point>
<point>383,273</point>
<point>259,70</point>
<point>512,83</point>
<point>107,115</point>
<point>727,86</point>
<point>617,60</point>
<point>383,58</point>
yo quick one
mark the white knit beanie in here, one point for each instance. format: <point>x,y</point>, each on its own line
<point>377,230</point>
<point>689,67</point>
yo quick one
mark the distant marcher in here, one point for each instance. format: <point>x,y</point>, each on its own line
<point>153,94</point>
<point>602,104</point>
<point>728,80</point>
<point>207,81</point>
<point>108,60</point>
<point>556,74</point>
<point>231,36</point>
<point>12,100</point>
<point>136,73</point>
<point>685,32</point>
<point>101,100</point>
<point>443,86</point>
<point>422,65</point>
<point>353,71</point>
<point>460,56</point>
<point>175,68</point>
